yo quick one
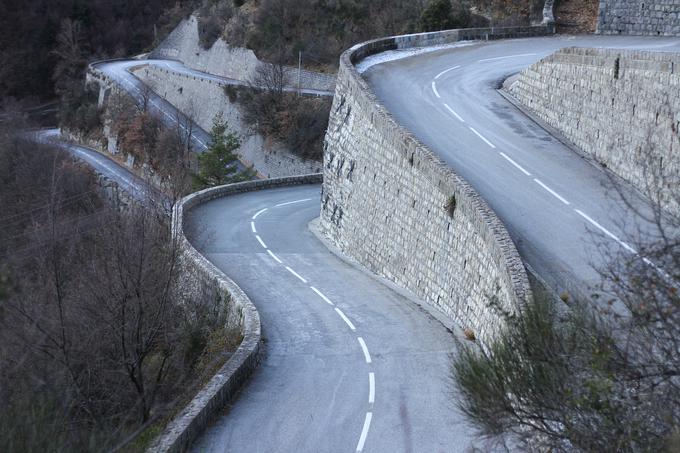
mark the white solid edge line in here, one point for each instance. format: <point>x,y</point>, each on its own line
<point>367,356</point>
<point>454,113</point>
<point>552,192</point>
<point>345,318</point>
<point>258,213</point>
<point>509,56</point>
<point>252,227</point>
<point>292,202</point>
<point>434,88</point>
<point>364,432</point>
<point>445,71</point>
<point>518,166</point>
<point>296,274</point>
<point>259,239</point>
<point>371,388</point>
<point>482,137</point>
<point>606,231</point>
<point>274,256</point>
<point>328,301</point>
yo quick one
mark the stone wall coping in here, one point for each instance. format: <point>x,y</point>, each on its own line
<point>224,385</point>
<point>439,172</point>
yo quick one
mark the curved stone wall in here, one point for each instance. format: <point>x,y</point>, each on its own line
<point>391,203</point>
<point>619,107</point>
<point>199,273</point>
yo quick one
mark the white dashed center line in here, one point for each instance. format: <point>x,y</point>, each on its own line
<point>552,192</point>
<point>606,231</point>
<point>326,299</point>
<point>518,166</point>
<point>434,89</point>
<point>482,137</point>
<point>367,356</point>
<point>509,56</point>
<point>296,274</point>
<point>292,202</point>
<point>252,227</point>
<point>454,113</point>
<point>274,256</point>
<point>345,318</point>
<point>258,213</point>
<point>259,239</point>
<point>364,432</point>
<point>371,388</point>
<point>445,71</point>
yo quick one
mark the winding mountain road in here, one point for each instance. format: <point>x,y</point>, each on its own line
<point>352,364</point>
<point>562,211</point>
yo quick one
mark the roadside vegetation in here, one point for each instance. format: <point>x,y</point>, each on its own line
<point>96,342</point>
<point>591,375</point>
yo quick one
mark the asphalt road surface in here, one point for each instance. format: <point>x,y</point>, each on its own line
<point>350,364</point>
<point>135,186</point>
<point>561,210</point>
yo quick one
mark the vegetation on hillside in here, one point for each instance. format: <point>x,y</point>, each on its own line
<point>30,36</point>
<point>94,342</point>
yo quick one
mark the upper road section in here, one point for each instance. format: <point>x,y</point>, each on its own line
<point>560,210</point>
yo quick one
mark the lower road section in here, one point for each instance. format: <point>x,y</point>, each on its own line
<point>349,363</point>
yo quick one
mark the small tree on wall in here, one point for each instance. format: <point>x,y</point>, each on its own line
<point>219,163</point>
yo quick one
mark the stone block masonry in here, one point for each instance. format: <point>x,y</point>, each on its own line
<point>395,207</point>
<point>203,99</point>
<point>636,17</point>
<point>620,108</point>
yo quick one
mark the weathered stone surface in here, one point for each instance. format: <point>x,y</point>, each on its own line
<point>203,99</point>
<point>388,201</point>
<point>635,17</point>
<point>224,60</point>
<point>619,107</point>
<point>201,277</point>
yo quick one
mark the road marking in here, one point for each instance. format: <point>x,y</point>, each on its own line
<point>328,301</point>
<point>345,318</point>
<point>274,256</point>
<point>252,227</point>
<point>364,432</point>
<point>509,56</point>
<point>606,231</point>
<point>292,202</point>
<point>258,213</point>
<point>454,113</point>
<point>259,239</point>
<point>445,71</point>
<point>371,388</point>
<point>367,356</point>
<point>482,137</point>
<point>296,274</point>
<point>552,192</point>
<point>434,88</point>
<point>506,157</point>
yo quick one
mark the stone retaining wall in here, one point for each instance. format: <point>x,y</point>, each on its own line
<point>202,99</point>
<point>620,108</point>
<point>200,274</point>
<point>635,17</point>
<point>391,203</point>
<point>224,60</point>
